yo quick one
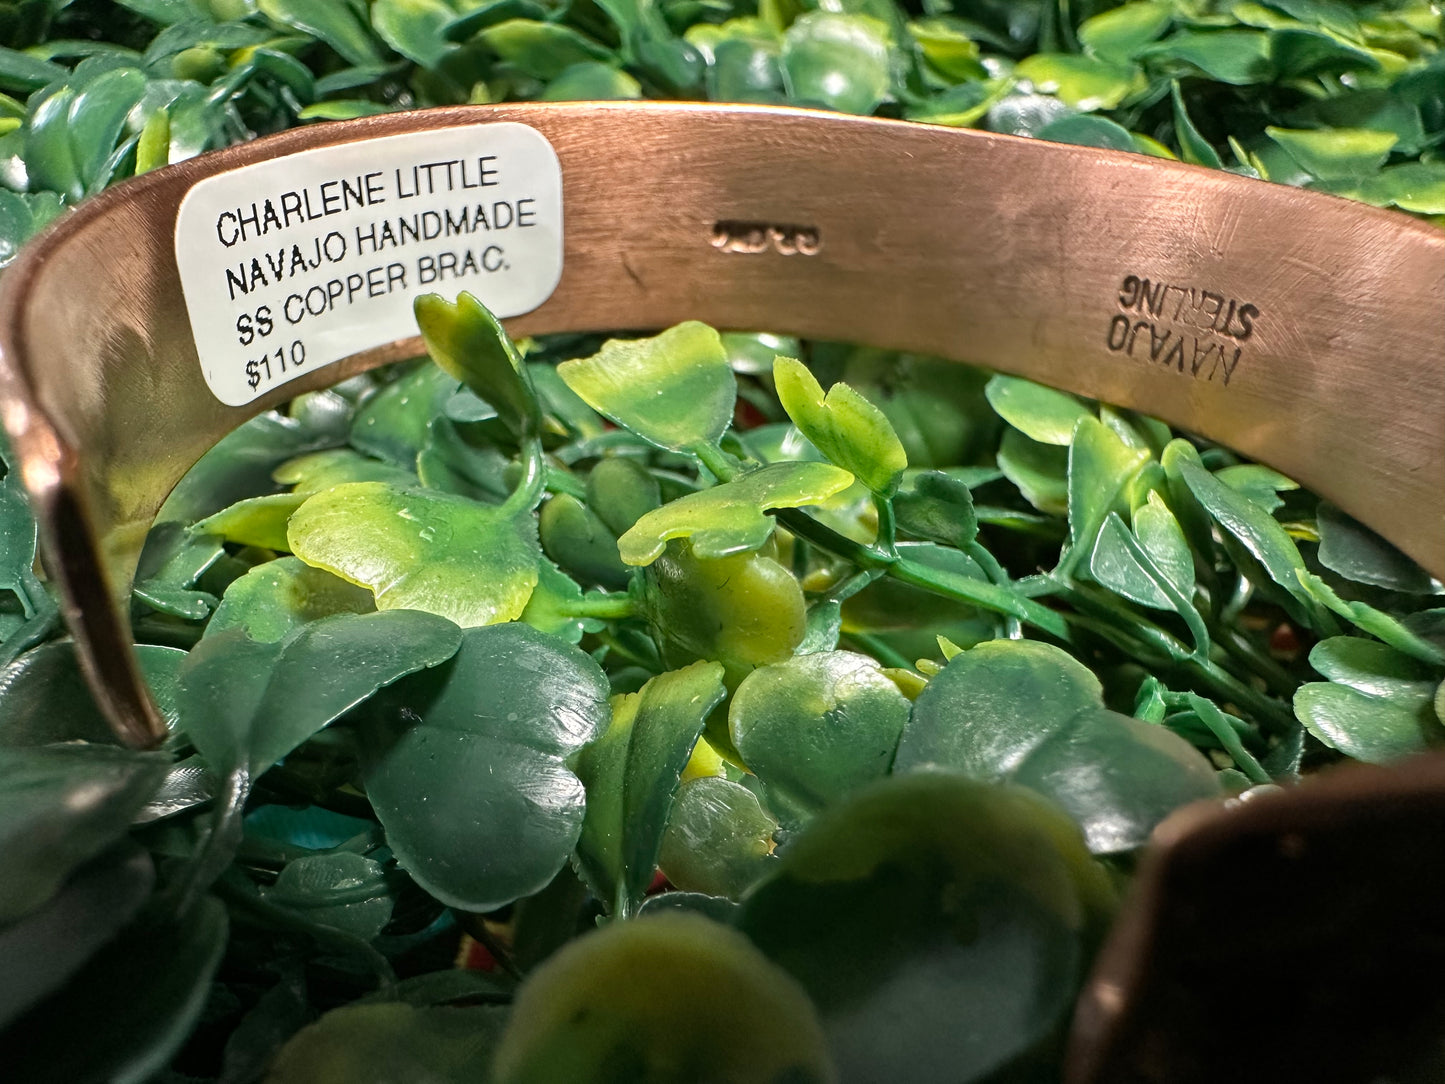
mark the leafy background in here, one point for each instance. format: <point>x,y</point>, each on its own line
<point>1001,633</point>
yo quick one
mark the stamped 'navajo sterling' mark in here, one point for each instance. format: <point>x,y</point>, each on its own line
<point>754,237</point>
<point>1187,328</point>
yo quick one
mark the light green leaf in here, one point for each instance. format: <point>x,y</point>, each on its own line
<point>1376,622</point>
<point>719,839</point>
<point>674,997</point>
<point>255,521</point>
<point>591,81</point>
<point>335,24</point>
<point>1335,153</point>
<point>540,49</point>
<point>1117,35</point>
<point>276,598</point>
<point>1084,82</point>
<point>1101,468</point>
<point>419,549</point>
<point>1039,470</point>
<point>816,727</point>
<point>675,389</point>
<point>466,767</point>
<point>632,774</point>
<point>730,518</point>
<point>848,429</point>
<point>1259,483</point>
<point>414,28</point>
<point>1373,668</point>
<point>1042,414</point>
<point>315,471</point>
<point>469,343</point>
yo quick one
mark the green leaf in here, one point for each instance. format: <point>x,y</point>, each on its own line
<point>946,46</point>
<point>335,24</point>
<point>49,153</point>
<point>140,999</point>
<point>1084,82</point>
<point>1372,668</point>
<point>453,464</point>
<point>1114,565</point>
<point>315,471</point>
<point>467,341</point>
<point>675,389</point>
<point>1088,130</point>
<point>937,508</point>
<point>256,521</point>
<point>244,703</point>
<point>1375,729</point>
<point>1238,57</point>
<point>60,806</point>
<point>21,73</point>
<point>719,839</point>
<point>276,598</point>
<point>674,997</point>
<point>621,491</point>
<point>44,697</point>
<point>555,604</point>
<point>991,898</point>
<point>542,50</point>
<point>98,118</point>
<point>1117,35</point>
<point>632,774</point>
<point>1418,187</point>
<point>1358,553</point>
<point>342,890</point>
<point>392,1041</point>
<point>591,81</point>
<point>1195,148</point>
<point>1260,484</point>
<point>815,728</point>
<point>731,518</point>
<point>1027,712</point>
<point>837,61</point>
<point>848,429</point>
<point>1254,528</point>
<point>394,423</point>
<point>1376,622</point>
<point>414,28</point>
<point>1040,471</point>
<point>576,538</point>
<point>1101,468</point>
<point>422,550</point>
<point>466,768</point>
<point>743,611</point>
<point>992,705</point>
<point>1335,153</point>
<point>41,951</point>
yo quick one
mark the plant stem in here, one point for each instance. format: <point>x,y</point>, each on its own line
<point>989,596</point>
<point>715,460</point>
<point>603,606</point>
<point>887,526</point>
<point>529,490</point>
<point>885,654</point>
<point>1215,720</point>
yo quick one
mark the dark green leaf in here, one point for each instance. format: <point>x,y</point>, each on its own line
<point>1358,553</point>
<point>1195,147</point>
<point>632,773</point>
<point>465,764</point>
<point>937,508</point>
<point>1087,130</point>
<point>393,423</point>
<point>139,999</point>
<point>837,62</point>
<point>1375,729</point>
<point>249,704</point>
<point>468,342</point>
<point>334,23</point>
<point>342,890</point>
<point>542,50</point>
<point>990,897</point>
<point>591,81</point>
<point>60,806</point>
<point>21,72</point>
<point>1039,470</point>
<point>414,28</point>
<point>1239,57</point>
<point>275,599</point>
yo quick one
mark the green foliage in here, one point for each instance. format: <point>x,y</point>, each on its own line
<point>836,644</point>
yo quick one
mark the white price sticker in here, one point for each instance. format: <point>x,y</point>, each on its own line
<point>294,263</point>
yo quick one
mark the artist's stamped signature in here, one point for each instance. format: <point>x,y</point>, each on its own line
<point>754,237</point>
<point>1183,327</point>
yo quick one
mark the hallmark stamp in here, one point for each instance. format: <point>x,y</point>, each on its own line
<point>1186,328</point>
<point>751,238</point>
